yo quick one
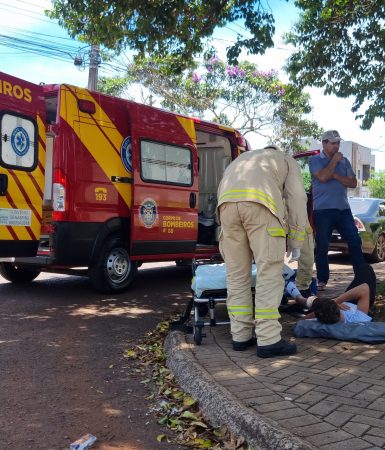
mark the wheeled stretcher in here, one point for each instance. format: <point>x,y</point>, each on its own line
<point>209,287</point>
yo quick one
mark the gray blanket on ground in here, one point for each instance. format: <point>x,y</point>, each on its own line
<point>369,332</point>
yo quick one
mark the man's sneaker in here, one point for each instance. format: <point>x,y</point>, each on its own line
<point>242,346</point>
<point>280,348</point>
<point>321,286</point>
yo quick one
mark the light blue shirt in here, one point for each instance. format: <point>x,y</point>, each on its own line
<point>354,315</point>
<point>330,194</point>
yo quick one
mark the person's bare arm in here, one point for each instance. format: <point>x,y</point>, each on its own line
<point>347,181</point>
<point>360,293</point>
<point>327,173</point>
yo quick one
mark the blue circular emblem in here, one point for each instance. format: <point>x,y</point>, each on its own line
<point>20,141</point>
<point>126,153</point>
<point>148,212</point>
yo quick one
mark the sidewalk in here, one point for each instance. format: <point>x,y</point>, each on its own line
<point>331,395</point>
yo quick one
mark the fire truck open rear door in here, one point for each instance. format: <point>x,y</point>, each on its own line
<point>22,159</point>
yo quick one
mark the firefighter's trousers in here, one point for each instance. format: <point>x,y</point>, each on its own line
<point>250,229</point>
<point>306,262</point>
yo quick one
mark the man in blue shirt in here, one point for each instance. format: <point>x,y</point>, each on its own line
<point>331,175</point>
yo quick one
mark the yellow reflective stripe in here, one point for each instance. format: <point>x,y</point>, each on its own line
<point>240,308</point>
<point>267,313</point>
<point>267,310</point>
<point>294,232</point>
<point>254,193</point>
<point>297,235</point>
<point>267,316</point>
<point>276,232</point>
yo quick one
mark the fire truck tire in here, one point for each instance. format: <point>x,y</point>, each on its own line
<point>17,274</point>
<point>113,271</point>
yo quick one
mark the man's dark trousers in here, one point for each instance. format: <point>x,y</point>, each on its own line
<point>325,221</point>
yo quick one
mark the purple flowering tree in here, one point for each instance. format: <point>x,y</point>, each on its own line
<point>242,96</point>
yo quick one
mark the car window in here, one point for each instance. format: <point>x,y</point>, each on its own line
<point>381,209</point>
<point>360,205</point>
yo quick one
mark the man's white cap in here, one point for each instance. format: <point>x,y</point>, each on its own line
<point>331,136</point>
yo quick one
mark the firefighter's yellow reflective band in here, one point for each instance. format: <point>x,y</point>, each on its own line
<point>238,310</point>
<point>250,193</point>
<point>267,310</point>
<point>270,316</point>
<point>267,313</point>
<point>276,232</point>
<point>297,235</point>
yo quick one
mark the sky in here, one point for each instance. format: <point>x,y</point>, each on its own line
<point>25,20</point>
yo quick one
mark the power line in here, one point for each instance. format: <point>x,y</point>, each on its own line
<point>22,9</point>
<point>28,33</point>
<point>27,15</point>
<point>29,3</point>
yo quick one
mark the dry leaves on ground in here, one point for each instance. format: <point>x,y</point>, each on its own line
<point>174,408</point>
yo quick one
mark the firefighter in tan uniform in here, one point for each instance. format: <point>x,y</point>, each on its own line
<point>252,197</point>
<point>306,263</point>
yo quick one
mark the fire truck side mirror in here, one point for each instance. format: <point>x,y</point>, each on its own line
<point>3,184</point>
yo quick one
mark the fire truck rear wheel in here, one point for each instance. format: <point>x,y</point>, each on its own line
<point>17,274</point>
<point>113,271</point>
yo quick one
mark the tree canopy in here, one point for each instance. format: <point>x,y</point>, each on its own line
<point>340,46</point>
<point>376,184</point>
<point>241,96</point>
<point>166,27</point>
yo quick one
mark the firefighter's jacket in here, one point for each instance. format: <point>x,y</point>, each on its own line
<point>273,179</point>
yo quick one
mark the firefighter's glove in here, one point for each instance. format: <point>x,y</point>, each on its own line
<point>293,254</point>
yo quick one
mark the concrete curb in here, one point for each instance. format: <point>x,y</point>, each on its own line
<point>220,406</point>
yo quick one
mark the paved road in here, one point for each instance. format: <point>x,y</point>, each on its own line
<point>330,395</point>
<point>62,371</point>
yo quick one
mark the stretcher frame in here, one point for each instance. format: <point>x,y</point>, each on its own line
<point>210,298</point>
<point>205,316</point>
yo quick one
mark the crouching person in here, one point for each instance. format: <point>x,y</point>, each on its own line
<point>252,196</point>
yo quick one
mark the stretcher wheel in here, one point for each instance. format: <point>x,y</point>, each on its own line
<point>198,335</point>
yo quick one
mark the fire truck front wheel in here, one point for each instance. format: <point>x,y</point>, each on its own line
<point>17,274</point>
<point>113,271</point>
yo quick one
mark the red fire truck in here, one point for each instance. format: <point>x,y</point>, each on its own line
<point>124,183</point>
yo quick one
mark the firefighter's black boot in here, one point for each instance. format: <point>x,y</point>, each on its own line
<point>280,348</point>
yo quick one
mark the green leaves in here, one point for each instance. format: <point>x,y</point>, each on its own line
<point>340,46</point>
<point>241,96</point>
<point>376,184</point>
<point>165,27</point>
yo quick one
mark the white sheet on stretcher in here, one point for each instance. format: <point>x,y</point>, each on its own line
<point>213,277</point>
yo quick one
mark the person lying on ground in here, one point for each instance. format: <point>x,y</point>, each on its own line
<point>342,309</point>
<point>363,274</point>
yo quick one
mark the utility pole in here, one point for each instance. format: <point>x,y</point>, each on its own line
<point>93,68</point>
